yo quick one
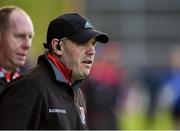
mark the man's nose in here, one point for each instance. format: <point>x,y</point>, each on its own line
<point>27,43</point>
<point>91,51</point>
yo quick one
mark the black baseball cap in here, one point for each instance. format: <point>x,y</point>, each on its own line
<point>75,27</point>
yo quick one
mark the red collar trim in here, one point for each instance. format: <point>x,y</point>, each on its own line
<point>61,67</point>
<point>8,75</point>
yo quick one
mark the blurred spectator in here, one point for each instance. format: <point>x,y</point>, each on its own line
<point>153,77</point>
<point>16,33</point>
<point>171,92</point>
<point>104,89</point>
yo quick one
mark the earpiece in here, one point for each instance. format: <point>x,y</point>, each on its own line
<point>58,47</point>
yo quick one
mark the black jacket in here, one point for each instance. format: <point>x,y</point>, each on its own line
<point>4,81</point>
<point>3,84</point>
<point>40,100</point>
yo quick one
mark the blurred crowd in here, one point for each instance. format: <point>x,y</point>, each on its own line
<point>105,89</point>
<point>110,95</point>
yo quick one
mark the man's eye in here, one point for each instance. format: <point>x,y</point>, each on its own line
<point>79,44</point>
<point>19,36</point>
<point>30,36</point>
<point>94,44</point>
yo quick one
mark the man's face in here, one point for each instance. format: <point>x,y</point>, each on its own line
<point>16,41</point>
<point>78,57</point>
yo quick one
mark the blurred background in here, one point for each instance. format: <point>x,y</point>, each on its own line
<point>135,81</point>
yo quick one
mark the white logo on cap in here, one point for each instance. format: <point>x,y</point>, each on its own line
<point>88,25</point>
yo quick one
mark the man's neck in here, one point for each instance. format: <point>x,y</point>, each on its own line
<point>6,67</point>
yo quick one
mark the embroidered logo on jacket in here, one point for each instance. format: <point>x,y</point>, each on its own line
<point>57,111</point>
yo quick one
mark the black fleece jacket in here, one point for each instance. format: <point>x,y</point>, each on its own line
<point>41,99</point>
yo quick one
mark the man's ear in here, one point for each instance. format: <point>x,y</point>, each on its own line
<point>56,47</point>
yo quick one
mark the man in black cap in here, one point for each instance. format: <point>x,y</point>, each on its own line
<point>49,96</point>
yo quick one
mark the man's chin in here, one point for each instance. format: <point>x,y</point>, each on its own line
<point>85,74</point>
<point>20,63</point>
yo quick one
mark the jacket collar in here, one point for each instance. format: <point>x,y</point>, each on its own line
<point>62,73</point>
<point>8,75</point>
